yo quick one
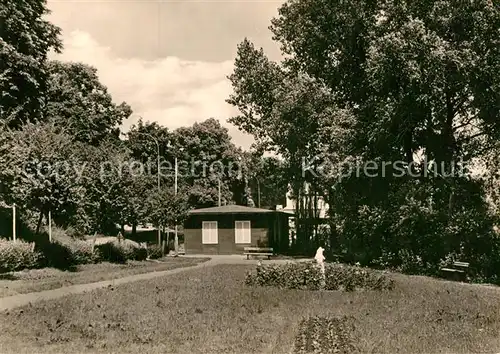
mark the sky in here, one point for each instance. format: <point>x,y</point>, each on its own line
<point>169,60</point>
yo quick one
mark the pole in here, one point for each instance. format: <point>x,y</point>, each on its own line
<point>176,238</point>
<point>50,227</point>
<point>14,221</point>
<point>158,161</point>
<point>159,187</point>
<point>258,193</point>
<point>219,193</point>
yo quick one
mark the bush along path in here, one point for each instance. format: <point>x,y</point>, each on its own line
<point>67,253</point>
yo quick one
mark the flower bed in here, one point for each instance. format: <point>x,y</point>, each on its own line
<point>307,275</point>
<point>324,335</point>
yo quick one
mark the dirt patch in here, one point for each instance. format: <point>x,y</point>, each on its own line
<point>325,335</point>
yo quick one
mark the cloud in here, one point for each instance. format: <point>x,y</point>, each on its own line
<point>170,91</point>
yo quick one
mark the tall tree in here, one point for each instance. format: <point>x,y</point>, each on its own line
<point>207,157</point>
<point>106,179</point>
<point>25,40</point>
<point>77,100</point>
<point>376,81</point>
<point>267,179</point>
<point>38,170</point>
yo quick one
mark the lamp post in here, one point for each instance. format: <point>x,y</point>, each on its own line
<point>176,237</point>
<point>258,191</point>
<point>218,180</point>
<point>14,221</point>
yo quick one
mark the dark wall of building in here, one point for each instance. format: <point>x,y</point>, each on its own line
<point>262,234</point>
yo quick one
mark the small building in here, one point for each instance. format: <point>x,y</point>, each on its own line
<point>229,229</point>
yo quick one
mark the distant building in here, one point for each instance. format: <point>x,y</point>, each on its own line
<point>291,207</point>
<point>291,203</point>
<point>144,228</point>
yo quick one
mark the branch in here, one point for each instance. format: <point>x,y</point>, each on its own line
<point>469,121</point>
<point>474,136</point>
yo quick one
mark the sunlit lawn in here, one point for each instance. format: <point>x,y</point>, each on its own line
<point>211,310</point>
<point>51,278</point>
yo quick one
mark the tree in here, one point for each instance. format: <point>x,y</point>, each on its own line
<point>267,179</point>
<point>141,140</point>
<point>39,170</point>
<point>206,157</point>
<point>78,101</point>
<point>25,40</point>
<point>377,81</point>
<point>419,76</point>
<point>106,180</point>
<point>166,208</point>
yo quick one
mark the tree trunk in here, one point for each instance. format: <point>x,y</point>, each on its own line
<point>39,223</point>
<point>450,202</point>
<point>134,230</point>
<point>449,146</point>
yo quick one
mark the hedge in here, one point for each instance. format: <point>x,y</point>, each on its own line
<point>18,255</point>
<point>120,252</point>
<point>155,252</point>
<point>64,253</point>
<point>307,275</point>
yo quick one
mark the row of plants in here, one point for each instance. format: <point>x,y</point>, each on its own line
<point>18,255</point>
<point>320,334</point>
<point>308,276</point>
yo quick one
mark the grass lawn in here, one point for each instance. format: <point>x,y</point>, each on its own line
<point>50,278</point>
<point>211,310</point>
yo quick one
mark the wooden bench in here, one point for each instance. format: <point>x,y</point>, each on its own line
<point>258,251</point>
<point>458,272</point>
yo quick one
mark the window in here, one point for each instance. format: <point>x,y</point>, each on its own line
<point>209,233</point>
<point>242,232</point>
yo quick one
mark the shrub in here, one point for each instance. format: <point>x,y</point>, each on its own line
<point>120,252</point>
<point>56,255</point>
<point>110,252</point>
<point>18,255</point>
<point>307,275</point>
<point>133,252</point>
<point>81,252</point>
<point>155,252</point>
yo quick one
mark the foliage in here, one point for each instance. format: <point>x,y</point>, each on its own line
<point>409,84</point>
<point>307,275</point>
<point>133,252</point>
<point>18,255</point>
<point>321,334</point>
<point>106,179</point>
<point>25,41</point>
<point>142,138</point>
<point>77,100</point>
<point>39,169</point>
<point>206,156</point>
<point>167,208</point>
<point>155,252</point>
<point>120,252</point>
<point>266,179</point>
<point>81,252</point>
